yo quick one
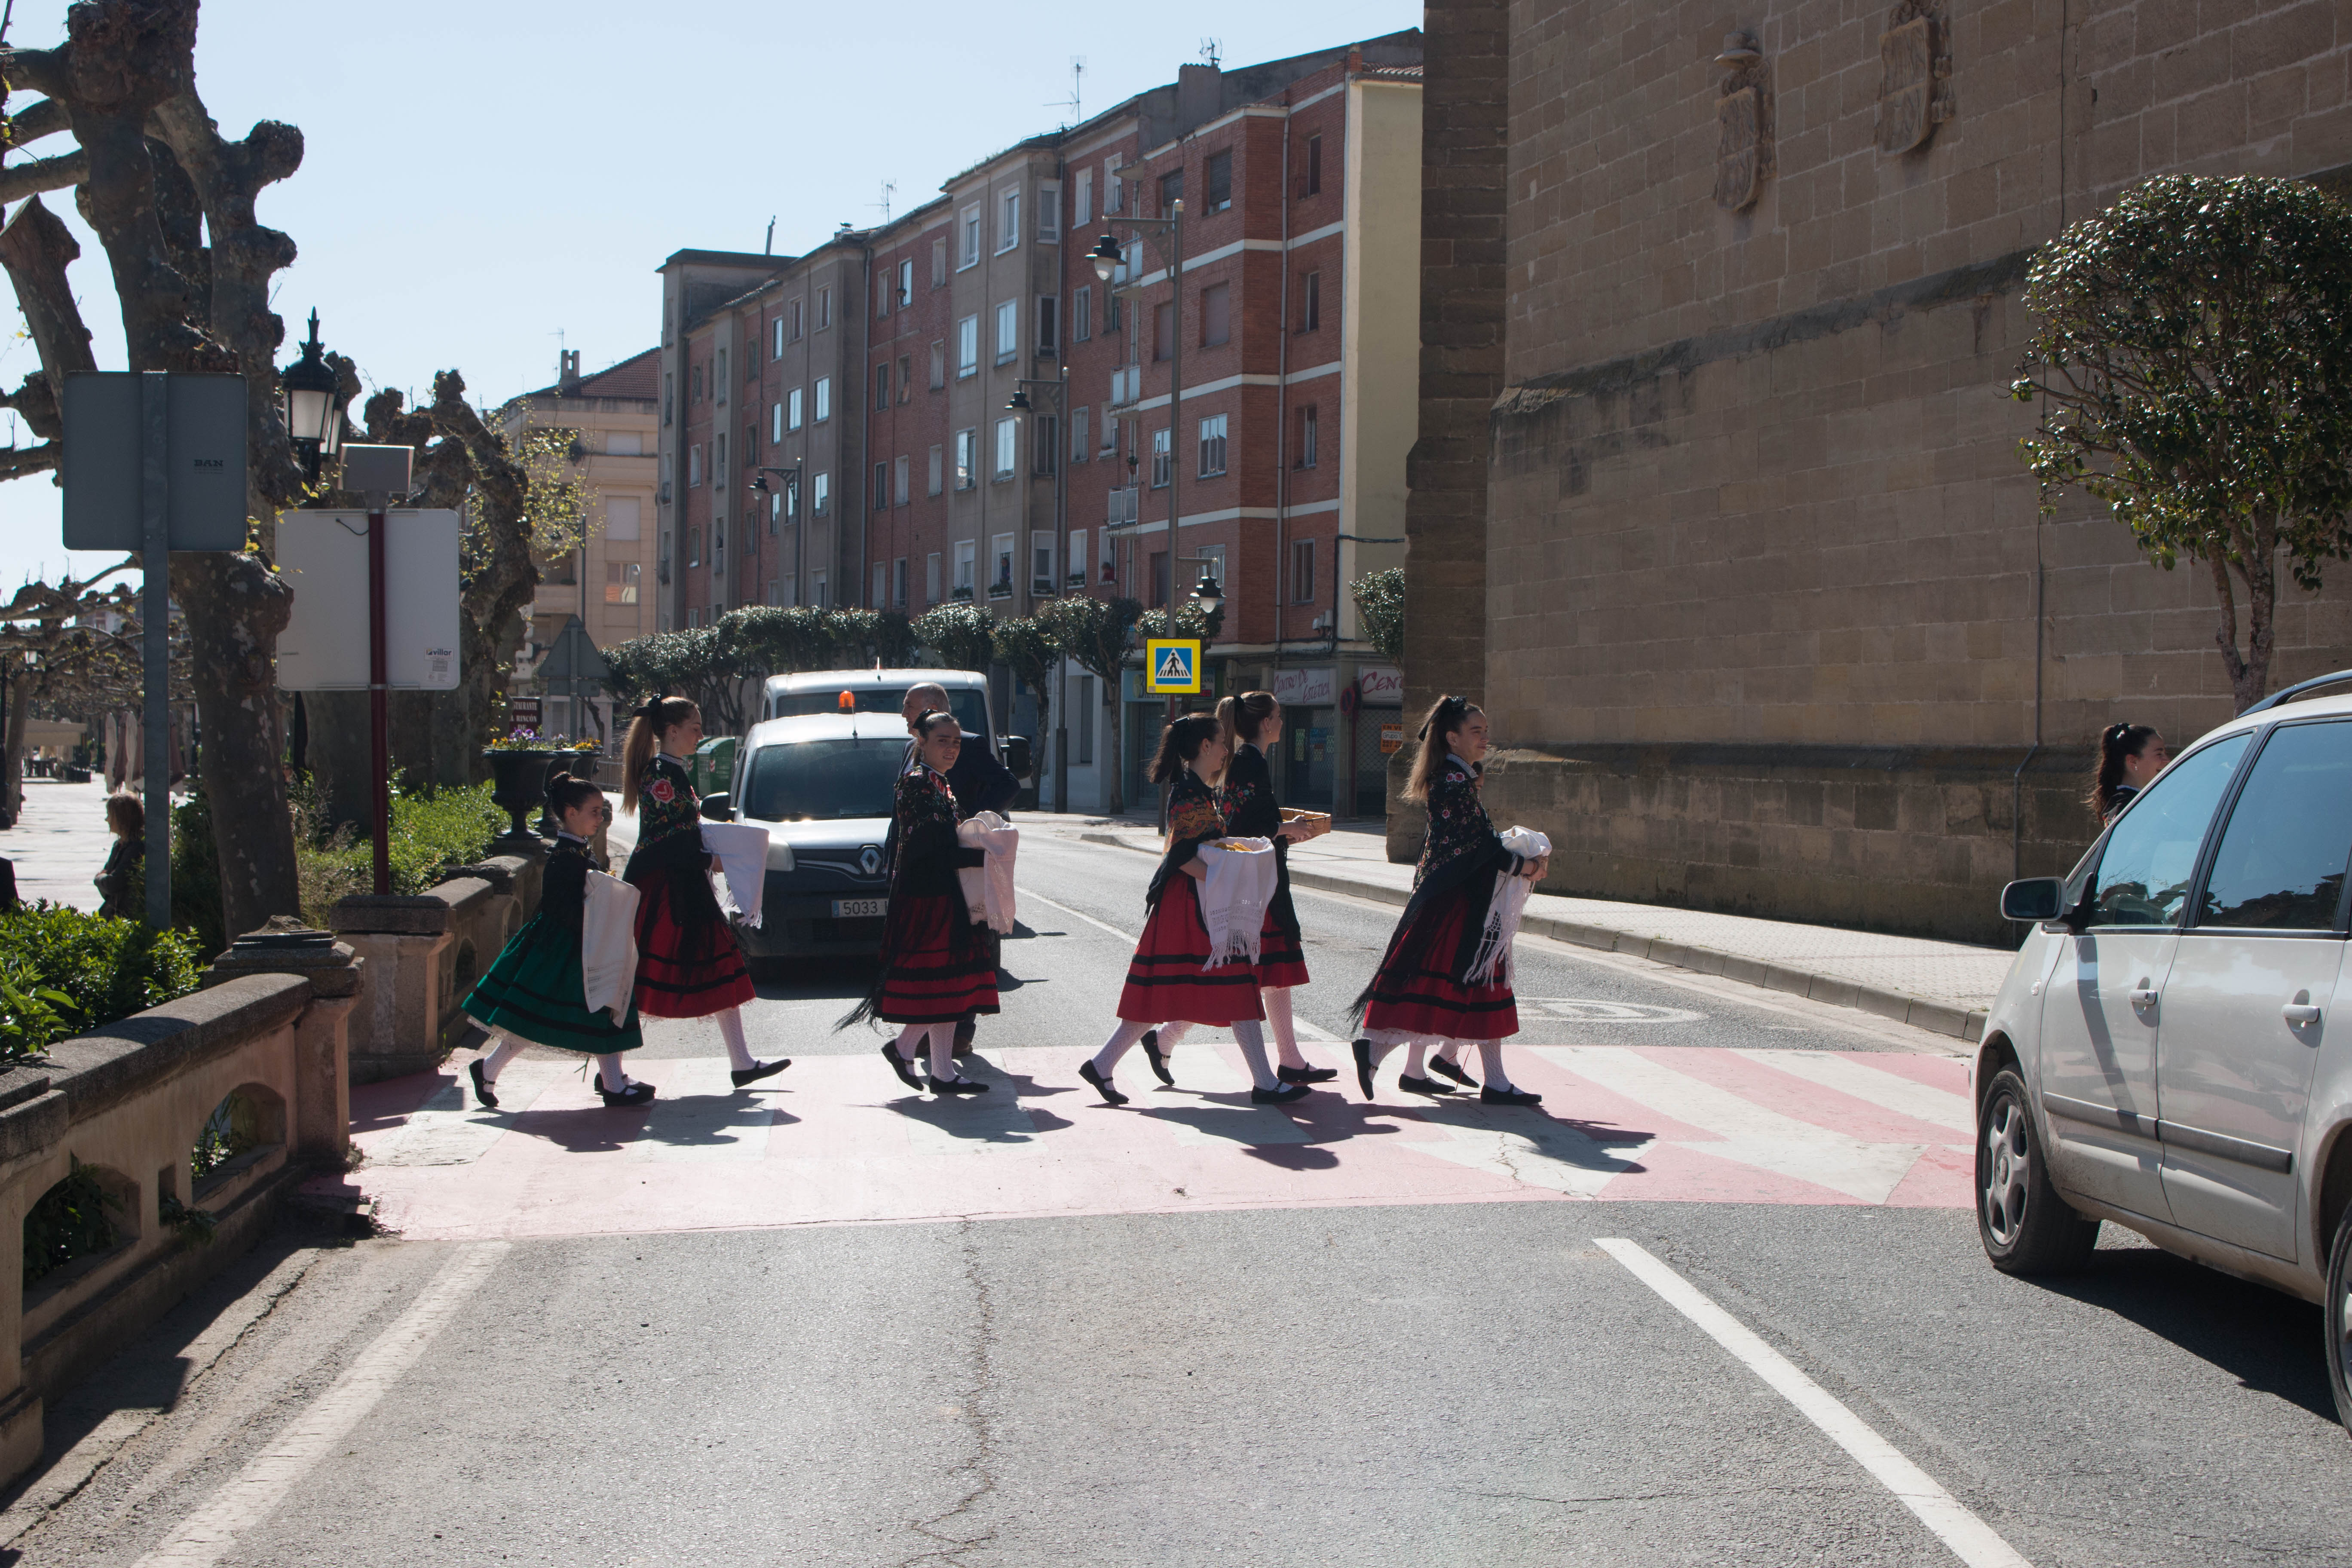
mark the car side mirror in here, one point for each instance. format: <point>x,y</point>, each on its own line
<point>1016,755</point>
<point>718,808</point>
<point>2035,900</point>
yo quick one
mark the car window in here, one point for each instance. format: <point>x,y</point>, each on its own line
<point>823,781</point>
<point>969,707</point>
<point>2151,851</point>
<point>2281,860</point>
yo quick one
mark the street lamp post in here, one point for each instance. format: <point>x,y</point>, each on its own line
<point>792,478</point>
<point>314,418</point>
<point>1019,404</point>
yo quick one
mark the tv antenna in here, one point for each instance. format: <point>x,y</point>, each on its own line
<point>889,187</point>
<point>1210,50</point>
<point>1077,83</point>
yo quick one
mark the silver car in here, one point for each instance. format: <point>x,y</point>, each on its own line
<point>2173,1048</point>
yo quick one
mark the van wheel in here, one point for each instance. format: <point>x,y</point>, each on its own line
<point>2337,1319</point>
<point>2027,1228</point>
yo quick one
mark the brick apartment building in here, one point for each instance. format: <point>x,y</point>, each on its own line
<point>878,370</point>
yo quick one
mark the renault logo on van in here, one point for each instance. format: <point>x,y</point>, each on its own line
<point>869,861</point>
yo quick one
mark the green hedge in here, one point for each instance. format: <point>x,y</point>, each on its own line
<point>432,835</point>
<point>64,972</point>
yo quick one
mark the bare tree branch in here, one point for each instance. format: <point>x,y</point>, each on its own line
<point>44,117</point>
<point>57,174</point>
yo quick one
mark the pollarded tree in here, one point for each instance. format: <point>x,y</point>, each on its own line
<point>964,636</point>
<point>2194,365</point>
<point>1094,634</point>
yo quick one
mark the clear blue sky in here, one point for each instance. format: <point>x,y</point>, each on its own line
<point>480,177</point>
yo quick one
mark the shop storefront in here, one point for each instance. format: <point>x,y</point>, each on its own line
<point>1312,744</point>
<point>1379,729</point>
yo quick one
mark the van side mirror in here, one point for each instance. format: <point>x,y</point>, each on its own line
<point>1016,755</point>
<point>718,808</point>
<point>2033,899</point>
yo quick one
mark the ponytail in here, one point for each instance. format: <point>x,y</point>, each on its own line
<point>1180,744</point>
<point>1446,716</point>
<point>646,725</point>
<point>1243,718</point>
<point>2117,744</point>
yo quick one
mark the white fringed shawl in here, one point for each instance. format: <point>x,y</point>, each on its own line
<point>1504,909</point>
<point>1242,877</point>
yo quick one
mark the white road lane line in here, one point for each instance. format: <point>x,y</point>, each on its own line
<point>209,1533</point>
<point>1972,1540</point>
<point>1126,936</point>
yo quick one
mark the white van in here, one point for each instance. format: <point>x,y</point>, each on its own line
<point>885,692</point>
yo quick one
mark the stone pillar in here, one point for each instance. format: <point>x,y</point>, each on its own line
<point>1464,211</point>
<point>318,1122</point>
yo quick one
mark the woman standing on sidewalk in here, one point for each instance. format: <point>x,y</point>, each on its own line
<point>1418,999</point>
<point>934,970</point>
<point>688,964</point>
<point>1171,980</point>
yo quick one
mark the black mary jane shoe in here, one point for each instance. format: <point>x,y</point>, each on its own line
<point>1490,1095</point>
<point>1428,1086</point>
<point>1363,1049</point>
<point>1307,1075</point>
<point>1281,1095</point>
<point>1093,1075</point>
<point>1158,1063</point>
<point>759,1070</point>
<point>483,1094</point>
<point>1445,1068</point>
<point>902,1066</point>
<point>636,1094</point>
<point>957,1085</point>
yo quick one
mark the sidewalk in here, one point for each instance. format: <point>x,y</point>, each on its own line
<point>1944,987</point>
<point>59,842</point>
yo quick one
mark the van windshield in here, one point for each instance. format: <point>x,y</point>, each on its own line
<point>969,707</point>
<point>823,781</point>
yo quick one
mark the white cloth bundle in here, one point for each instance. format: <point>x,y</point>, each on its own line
<point>743,851</point>
<point>608,945</point>
<point>988,888</point>
<point>1241,882</point>
<point>1508,902</point>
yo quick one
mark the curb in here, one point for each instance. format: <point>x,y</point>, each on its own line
<point>1936,1018</point>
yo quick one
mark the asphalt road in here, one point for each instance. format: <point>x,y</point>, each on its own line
<point>1425,1384</point>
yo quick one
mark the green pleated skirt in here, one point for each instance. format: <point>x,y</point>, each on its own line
<point>535,992</point>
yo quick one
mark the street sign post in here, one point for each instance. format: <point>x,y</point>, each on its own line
<point>155,462</point>
<point>573,660</point>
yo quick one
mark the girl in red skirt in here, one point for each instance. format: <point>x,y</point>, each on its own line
<point>934,969</point>
<point>1418,999</point>
<point>1169,980</point>
<point>689,966</point>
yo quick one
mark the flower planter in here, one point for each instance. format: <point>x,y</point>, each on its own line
<point>520,781</point>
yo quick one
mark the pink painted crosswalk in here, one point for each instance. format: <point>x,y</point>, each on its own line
<point>838,1141</point>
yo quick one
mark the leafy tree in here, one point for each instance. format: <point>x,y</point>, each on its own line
<point>1027,648</point>
<point>2193,360</point>
<point>963,635</point>
<point>1380,604</point>
<point>1094,634</point>
<point>864,637</point>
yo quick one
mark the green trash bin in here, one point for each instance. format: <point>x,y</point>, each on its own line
<point>714,766</point>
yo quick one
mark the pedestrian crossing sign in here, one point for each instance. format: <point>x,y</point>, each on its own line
<point>1171,665</point>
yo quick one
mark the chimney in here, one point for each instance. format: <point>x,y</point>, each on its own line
<point>1200,95</point>
<point>567,374</point>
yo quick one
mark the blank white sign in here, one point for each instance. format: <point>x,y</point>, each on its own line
<point>324,556</point>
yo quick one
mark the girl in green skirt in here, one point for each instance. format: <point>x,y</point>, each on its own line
<point>535,994</point>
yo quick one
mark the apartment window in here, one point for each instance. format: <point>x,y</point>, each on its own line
<point>793,410</point>
<point>881,585</point>
<point>819,595</point>
<point>970,255</point>
<point>902,473</point>
<point>906,377</point>
<point>1212,560</point>
<point>1216,315</point>
<point>931,578</point>
<point>938,263</point>
<point>966,565</point>
<point>624,443</point>
<point>1302,571</point>
<point>823,398</point>
<point>1220,182</point>
<point>694,391</point>
<point>823,308</point>
<point>1171,190</point>
<point>694,547</point>
<point>999,579</point>
<point>776,338</point>
<point>694,465</point>
<point>775,422</point>
<point>1163,328</point>
<point>1048,444</point>
<point>882,484</point>
<point>1313,183</point>
<point>776,508</point>
<point>1310,302</point>
<point>967,457</point>
<point>898,584</point>
<point>792,500</point>
<point>1158,569</point>
<point>1082,311</point>
<point>1119,513</point>
<point>1114,188</point>
<point>669,397</point>
<point>1082,200</point>
<point>776,591</point>
<point>623,580</point>
<point>938,467</point>
<point>1308,433</point>
<point>968,347</point>
<point>1078,578</point>
<point>1008,447</point>
<point>623,515</point>
<point>1212,446</point>
<point>1040,563</point>
<point>750,446</point>
<point>1162,462</point>
<point>1082,710</point>
<point>882,386</point>
<point>882,290</point>
<point>751,355</point>
<point>1008,330</point>
<point>906,284</point>
<point>1008,221</point>
<point>1049,324</point>
<point>1079,435</point>
<point>719,378</point>
<point>821,494</point>
<point>1049,215</point>
<point>800,319</point>
<point>938,366</point>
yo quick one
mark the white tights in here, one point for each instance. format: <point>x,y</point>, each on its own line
<point>1278,1023</point>
<point>1247,1034</point>
<point>510,1047</point>
<point>942,1048</point>
<point>731,1029</point>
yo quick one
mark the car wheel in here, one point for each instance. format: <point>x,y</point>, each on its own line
<point>2027,1228</point>
<point>2337,1319</point>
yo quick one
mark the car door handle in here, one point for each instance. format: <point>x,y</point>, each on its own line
<point>2300,1013</point>
<point>2143,998</point>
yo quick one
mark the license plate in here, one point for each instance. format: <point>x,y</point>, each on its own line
<point>859,909</point>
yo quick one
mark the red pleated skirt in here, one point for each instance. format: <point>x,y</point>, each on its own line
<point>1165,982</point>
<point>1418,989</point>
<point>924,978</point>
<point>689,966</point>
<point>1281,961</point>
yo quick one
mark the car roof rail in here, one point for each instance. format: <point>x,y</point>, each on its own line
<point>2288,694</point>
